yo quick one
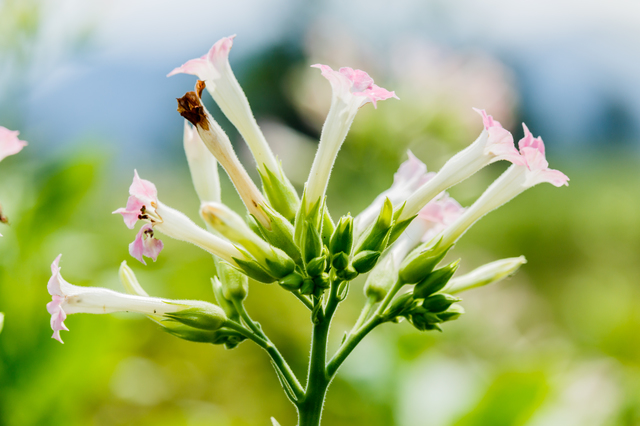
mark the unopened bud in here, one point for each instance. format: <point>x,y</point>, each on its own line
<point>342,237</point>
<point>317,266</point>
<point>420,262</point>
<point>129,281</point>
<point>322,280</point>
<point>435,281</point>
<point>292,282</point>
<point>281,233</point>
<point>312,244</point>
<point>439,302</point>
<point>452,313</point>
<point>486,274</point>
<point>365,261</point>
<point>340,261</point>
<point>235,285</point>
<point>307,286</point>
<point>347,274</point>
<point>253,270</point>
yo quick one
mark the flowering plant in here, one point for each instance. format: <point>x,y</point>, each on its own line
<point>292,240</point>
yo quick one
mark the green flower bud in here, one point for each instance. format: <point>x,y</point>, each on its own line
<point>347,274</point>
<point>292,282</point>
<point>452,313</point>
<point>486,274</point>
<point>322,280</point>
<point>307,286</point>
<point>280,235</point>
<point>375,238</point>
<point>235,285</point>
<point>253,270</point>
<point>381,279</point>
<point>340,261</point>
<point>435,281</point>
<point>420,262</point>
<point>365,261</point>
<point>439,302</point>
<point>280,193</point>
<point>400,305</point>
<point>317,266</point>
<point>342,238</point>
<point>327,227</point>
<point>205,316</point>
<point>312,243</point>
<point>425,321</point>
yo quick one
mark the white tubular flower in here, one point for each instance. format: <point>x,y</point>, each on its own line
<point>202,165</point>
<point>70,299</point>
<point>532,170</point>
<point>411,175</point>
<point>143,204</point>
<point>351,89</point>
<point>216,140</point>
<point>493,144</point>
<point>486,274</point>
<point>214,69</point>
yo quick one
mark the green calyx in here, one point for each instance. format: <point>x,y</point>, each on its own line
<point>281,194</point>
<point>435,281</point>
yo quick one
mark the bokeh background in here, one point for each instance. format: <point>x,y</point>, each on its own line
<point>85,83</point>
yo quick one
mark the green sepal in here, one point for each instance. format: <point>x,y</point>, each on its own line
<point>196,317</point>
<point>342,237</point>
<point>399,226</point>
<point>421,261</point>
<point>253,270</point>
<point>280,235</point>
<point>365,261</point>
<point>452,313</point>
<point>439,303</point>
<point>280,268</point>
<point>312,242</point>
<point>292,282</point>
<point>281,194</point>
<point>436,280</point>
<point>316,266</point>
<point>303,216</point>
<point>376,236</point>
<point>340,260</point>
<point>347,274</point>
<point>226,304</point>
<point>399,306</point>
<point>307,286</point>
<point>327,227</point>
<point>217,337</point>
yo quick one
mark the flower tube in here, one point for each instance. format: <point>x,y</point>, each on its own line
<point>494,144</point>
<point>68,299</point>
<point>351,89</point>
<point>202,165</point>
<point>214,69</point>
<point>532,170</point>
<point>486,274</point>
<point>190,107</point>
<point>143,205</point>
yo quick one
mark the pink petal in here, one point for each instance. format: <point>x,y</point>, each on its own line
<point>437,214</point>
<point>54,282</point>
<point>487,120</point>
<point>143,189</point>
<point>145,244</point>
<point>499,141</point>
<point>409,170</point>
<point>9,143</point>
<point>207,67</point>
<point>529,141</point>
<point>131,212</point>
<point>57,298</point>
<point>348,81</point>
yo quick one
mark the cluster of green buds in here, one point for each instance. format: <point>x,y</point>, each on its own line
<point>399,240</point>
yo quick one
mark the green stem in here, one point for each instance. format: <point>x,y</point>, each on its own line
<point>364,314</point>
<point>279,362</point>
<point>304,299</point>
<point>310,407</point>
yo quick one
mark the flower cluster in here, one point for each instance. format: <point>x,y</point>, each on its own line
<point>292,240</point>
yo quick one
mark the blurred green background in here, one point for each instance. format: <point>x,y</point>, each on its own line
<point>555,345</point>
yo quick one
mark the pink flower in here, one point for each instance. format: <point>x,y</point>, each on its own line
<point>533,155</point>
<point>500,142</point>
<point>349,82</point>
<point>437,215</point>
<point>142,202</point>
<point>9,143</point>
<point>57,298</point>
<point>208,66</point>
<point>145,244</point>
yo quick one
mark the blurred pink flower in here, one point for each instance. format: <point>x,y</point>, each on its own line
<point>9,143</point>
